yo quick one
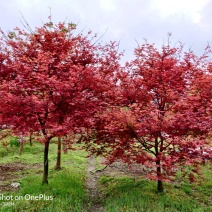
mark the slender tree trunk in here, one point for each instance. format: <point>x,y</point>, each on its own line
<point>160,186</point>
<point>46,162</point>
<point>22,141</point>
<point>58,164</point>
<point>159,173</point>
<point>65,150</point>
<point>30,139</point>
<point>21,148</point>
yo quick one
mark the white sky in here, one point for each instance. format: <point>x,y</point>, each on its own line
<point>126,20</point>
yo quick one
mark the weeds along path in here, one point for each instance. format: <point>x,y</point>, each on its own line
<point>94,195</point>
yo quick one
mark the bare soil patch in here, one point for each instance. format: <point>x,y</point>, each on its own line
<point>120,169</point>
<point>11,173</point>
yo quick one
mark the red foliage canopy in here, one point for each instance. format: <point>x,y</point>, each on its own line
<point>54,81</point>
<point>155,123</point>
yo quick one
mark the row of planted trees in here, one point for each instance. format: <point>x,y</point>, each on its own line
<point>155,111</point>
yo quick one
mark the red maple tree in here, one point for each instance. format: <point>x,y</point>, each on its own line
<point>54,81</point>
<point>154,121</point>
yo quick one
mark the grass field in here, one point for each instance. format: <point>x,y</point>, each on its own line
<point>125,194</point>
<point>67,191</point>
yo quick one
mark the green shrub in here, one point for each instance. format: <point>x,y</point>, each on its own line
<point>14,141</point>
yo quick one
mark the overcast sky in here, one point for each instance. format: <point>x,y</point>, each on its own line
<point>126,20</point>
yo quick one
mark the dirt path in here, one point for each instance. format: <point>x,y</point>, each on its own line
<point>94,196</point>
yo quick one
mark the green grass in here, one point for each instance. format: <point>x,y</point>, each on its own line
<point>124,194</point>
<point>34,155</point>
<point>65,191</point>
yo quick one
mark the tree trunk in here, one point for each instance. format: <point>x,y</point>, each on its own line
<point>21,148</point>
<point>160,186</point>
<point>30,139</point>
<point>58,164</point>
<point>65,150</point>
<point>159,173</point>
<point>22,141</point>
<point>46,163</point>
